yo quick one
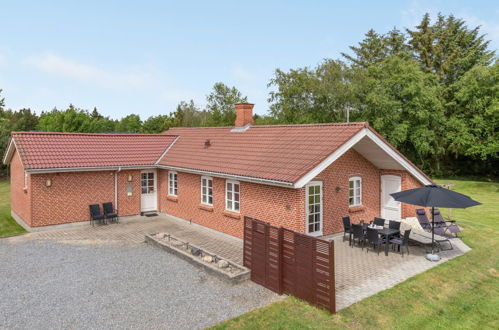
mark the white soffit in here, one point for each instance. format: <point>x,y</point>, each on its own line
<point>377,156</point>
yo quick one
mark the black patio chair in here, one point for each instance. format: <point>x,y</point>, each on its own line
<point>347,227</point>
<point>357,234</point>
<point>402,241</point>
<point>373,239</point>
<point>95,214</point>
<point>110,212</point>
<point>441,223</point>
<point>394,224</point>
<point>379,222</point>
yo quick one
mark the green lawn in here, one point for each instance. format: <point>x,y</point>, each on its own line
<point>7,225</point>
<point>461,293</point>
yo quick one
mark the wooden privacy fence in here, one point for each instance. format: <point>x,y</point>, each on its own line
<point>288,262</point>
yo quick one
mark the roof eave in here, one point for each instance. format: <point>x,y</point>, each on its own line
<point>384,145</point>
<point>279,183</point>
<point>7,157</point>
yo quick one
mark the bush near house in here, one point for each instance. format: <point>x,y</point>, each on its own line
<point>462,293</point>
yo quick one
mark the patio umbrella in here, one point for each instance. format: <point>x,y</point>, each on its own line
<point>434,196</point>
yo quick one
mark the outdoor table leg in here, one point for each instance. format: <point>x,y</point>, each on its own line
<point>387,237</point>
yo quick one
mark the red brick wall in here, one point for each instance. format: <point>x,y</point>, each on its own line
<point>283,206</point>
<point>128,205</point>
<point>68,198</point>
<point>335,204</point>
<point>280,206</point>
<point>20,198</point>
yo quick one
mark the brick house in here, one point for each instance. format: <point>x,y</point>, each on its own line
<point>304,177</point>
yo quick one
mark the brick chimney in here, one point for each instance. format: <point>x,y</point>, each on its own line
<point>244,114</point>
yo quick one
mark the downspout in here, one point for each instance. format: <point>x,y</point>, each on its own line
<point>116,188</point>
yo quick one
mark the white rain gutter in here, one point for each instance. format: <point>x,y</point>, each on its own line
<point>116,188</point>
<point>230,176</point>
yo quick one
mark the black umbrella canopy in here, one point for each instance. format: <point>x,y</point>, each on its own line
<point>436,196</point>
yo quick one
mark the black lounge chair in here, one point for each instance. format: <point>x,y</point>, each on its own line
<point>401,242</point>
<point>379,222</point>
<point>426,224</point>
<point>347,227</point>
<point>441,223</point>
<point>373,239</point>
<point>95,214</point>
<point>110,212</point>
<point>357,234</point>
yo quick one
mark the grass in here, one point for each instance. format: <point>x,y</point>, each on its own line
<point>8,226</point>
<point>462,293</point>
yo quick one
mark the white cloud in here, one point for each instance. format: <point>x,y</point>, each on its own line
<point>57,65</point>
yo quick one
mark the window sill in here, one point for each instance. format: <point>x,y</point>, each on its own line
<point>172,198</point>
<point>354,209</point>
<point>232,215</point>
<point>208,208</point>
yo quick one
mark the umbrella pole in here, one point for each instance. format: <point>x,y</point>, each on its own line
<point>432,228</point>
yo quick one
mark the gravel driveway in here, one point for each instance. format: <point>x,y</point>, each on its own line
<point>101,285</point>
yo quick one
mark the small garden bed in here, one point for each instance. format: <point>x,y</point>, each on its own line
<point>210,262</point>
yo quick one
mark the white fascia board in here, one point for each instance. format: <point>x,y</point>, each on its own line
<point>330,159</point>
<point>229,176</point>
<point>9,152</point>
<point>396,156</point>
<point>89,169</point>
<point>349,144</point>
<point>166,150</point>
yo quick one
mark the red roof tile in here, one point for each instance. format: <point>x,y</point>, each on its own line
<point>43,150</point>
<point>277,152</point>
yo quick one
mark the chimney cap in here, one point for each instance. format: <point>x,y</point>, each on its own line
<point>244,103</point>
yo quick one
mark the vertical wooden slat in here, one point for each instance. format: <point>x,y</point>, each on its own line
<point>285,261</point>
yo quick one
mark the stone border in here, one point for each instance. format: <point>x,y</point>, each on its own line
<point>183,250</point>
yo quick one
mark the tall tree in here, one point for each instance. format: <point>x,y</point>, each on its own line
<point>311,95</point>
<point>188,114</point>
<point>157,124</point>
<point>448,48</point>
<point>377,47</point>
<point>220,104</point>
<point>129,124</point>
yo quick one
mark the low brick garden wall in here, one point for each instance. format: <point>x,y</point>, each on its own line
<point>210,262</point>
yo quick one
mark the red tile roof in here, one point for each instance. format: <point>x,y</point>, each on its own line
<point>277,152</point>
<point>43,150</point>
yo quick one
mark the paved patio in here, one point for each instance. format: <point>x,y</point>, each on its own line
<point>133,229</point>
<point>358,274</point>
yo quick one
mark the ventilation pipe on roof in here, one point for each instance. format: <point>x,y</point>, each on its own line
<point>244,114</point>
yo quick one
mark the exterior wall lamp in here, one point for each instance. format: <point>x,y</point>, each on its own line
<point>48,183</point>
<point>130,178</point>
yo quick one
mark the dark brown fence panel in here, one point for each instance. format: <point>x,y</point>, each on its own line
<point>289,262</point>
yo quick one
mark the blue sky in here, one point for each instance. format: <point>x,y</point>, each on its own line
<point>145,56</point>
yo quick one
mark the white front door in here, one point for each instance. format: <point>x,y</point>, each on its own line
<point>314,208</point>
<point>390,208</point>
<point>148,197</point>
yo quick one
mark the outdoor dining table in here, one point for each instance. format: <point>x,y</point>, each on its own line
<point>387,232</point>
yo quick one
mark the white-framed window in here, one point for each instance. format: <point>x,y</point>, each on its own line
<point>314,208</point>
<point>207,190</point>
<point>355,191</point>
<point>232,196</point>
<point>172,183</point>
